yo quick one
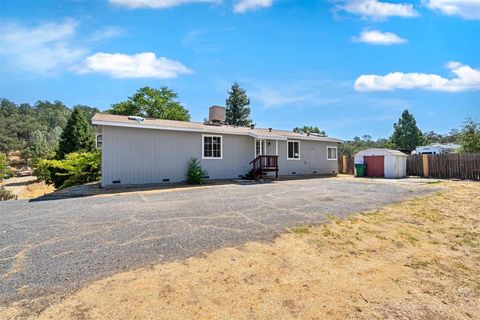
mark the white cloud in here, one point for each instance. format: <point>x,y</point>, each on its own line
<point>304,94</point>
<point>157,4</point>
<point>464,78</point>
<point>105,33</point>
<point>243,6</point>
<point>468,9</point>
<point>450,65</point>
<point>271,97</point>
<point>379,38</point>
<point>205,40</point>
<point>56,47</point>
<point>141,65</point>
<point>378,10</point>
<point>47,48</point>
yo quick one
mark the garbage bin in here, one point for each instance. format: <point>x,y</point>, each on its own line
<point>359,170</point>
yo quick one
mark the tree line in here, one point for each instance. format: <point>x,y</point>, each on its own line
<point>407,136</point>
<point>38,131</point>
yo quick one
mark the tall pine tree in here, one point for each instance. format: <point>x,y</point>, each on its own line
<point>237,111</point>
<point>77,135</point>
<point>406,135</point>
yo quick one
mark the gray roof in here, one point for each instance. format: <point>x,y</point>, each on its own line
<point>105,119</point>
<point>380,151</point>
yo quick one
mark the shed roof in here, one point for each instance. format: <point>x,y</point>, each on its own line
<point>380,152</point>
<point>105,119</point>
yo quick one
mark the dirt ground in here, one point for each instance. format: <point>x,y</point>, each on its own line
<point>419,259</point>
<point>27,187</point>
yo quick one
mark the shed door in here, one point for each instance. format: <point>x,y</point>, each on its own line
<point>375,166</point>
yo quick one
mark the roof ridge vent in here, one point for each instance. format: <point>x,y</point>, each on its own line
<point>137,119</point>
<point>214,124</point>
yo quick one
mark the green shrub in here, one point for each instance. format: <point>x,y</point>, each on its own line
<point>195,172</point>
<point>79,178</point>
<point>6,194</point>
<point>76,168</point>
<point>4,170</point>
<point>42,171</point>
<point>10,173</point>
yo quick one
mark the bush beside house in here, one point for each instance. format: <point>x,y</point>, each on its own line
<point>76,168</point>
<point>195,172</point>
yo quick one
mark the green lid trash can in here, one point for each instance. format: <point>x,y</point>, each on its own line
<point>360,170</point>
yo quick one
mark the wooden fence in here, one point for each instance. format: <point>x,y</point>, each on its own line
<point>414,165</point>
<point>465,166</point>
<point>346,165</point>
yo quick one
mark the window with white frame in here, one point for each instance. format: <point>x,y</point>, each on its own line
<point>99,141</point>
<point>331,153</point>
<point>212,147</point>
<point>293,150</point>
<point>258,147</point>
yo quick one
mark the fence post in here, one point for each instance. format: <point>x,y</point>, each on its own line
<point>344,164</point>
<point>425,165</point>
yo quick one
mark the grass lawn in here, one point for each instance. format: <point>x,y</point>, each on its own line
<point>416,259</point>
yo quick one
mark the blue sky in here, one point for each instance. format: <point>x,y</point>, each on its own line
<point>349,67</point>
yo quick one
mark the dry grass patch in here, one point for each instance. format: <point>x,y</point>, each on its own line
<point>415,260</point>
<point>27,187</point>
<point>35,190</point>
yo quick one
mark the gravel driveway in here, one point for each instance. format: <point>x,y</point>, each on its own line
<point>59,245</point>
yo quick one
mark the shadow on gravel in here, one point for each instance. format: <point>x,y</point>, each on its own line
<point>95,189</point>
<point>19,184</point>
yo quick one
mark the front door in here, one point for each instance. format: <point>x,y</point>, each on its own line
<point>259,147</point>
<point>375,166</point>
<point>314,158</point>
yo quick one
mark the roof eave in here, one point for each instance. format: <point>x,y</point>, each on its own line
<point>271,137</point>
<point>320,139</point>
<point>206,130</point>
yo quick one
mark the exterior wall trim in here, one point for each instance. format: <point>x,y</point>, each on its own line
<point>203,146</point>
<point>251,134</point>
<point>299,150</point>
<point>336,153</point>
<point>96,140</point>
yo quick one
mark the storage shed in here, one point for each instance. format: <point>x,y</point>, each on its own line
<point>383,162</point>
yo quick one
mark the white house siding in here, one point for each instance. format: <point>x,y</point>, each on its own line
<point>144,156</point>
<point>313,159</point>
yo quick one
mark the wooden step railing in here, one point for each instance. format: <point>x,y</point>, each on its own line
<point>263,164</point>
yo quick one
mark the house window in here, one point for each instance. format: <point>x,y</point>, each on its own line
<point>331,153</point>
<point>293,150</point>
<point>99,141</point>
<point>212,147</point>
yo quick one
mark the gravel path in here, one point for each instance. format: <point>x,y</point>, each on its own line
<point>60,245</point>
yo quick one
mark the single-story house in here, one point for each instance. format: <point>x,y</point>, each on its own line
<point>144,151</point>
<point>381,162</point>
